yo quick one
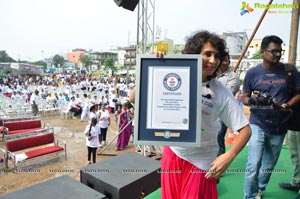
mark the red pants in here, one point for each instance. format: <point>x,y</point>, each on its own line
<point>183,180</point>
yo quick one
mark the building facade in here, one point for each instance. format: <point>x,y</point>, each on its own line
<point>130,56</point>
<point>74,56</point>
<point>98,58</point>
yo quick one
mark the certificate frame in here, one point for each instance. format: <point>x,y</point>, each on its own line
<point>156,77</point>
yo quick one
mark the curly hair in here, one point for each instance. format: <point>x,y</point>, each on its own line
<point>196,41</point>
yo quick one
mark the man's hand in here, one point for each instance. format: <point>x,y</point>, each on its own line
<point>252,101</point>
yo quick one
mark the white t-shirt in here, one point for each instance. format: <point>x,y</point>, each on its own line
<point>95,131</point>
<point>71,104</point>
<point>34,98</point>
<point>111,102</point>
<point>92,115</point>
<point>86,103</point>
<point>78,101</point>
<point>221,105</point>
<point>104,118</point>
<point>15,97</point>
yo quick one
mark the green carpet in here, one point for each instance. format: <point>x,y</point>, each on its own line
<point>231,185</point>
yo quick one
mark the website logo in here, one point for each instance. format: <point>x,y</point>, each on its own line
<point>277,8</point>
<point>246,8</point>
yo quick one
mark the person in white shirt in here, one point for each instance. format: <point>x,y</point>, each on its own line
<point>78,100</point>
<point>73,88</point>
<point>24,96</point>
<point>88,85</point>
<point>18,87</point>
<point>85,107</point>
<point>99,86</point>
<point>104,122</point>
<point>8,90</point>
<point>231,80</point>
<point>25,93</point>
<point>61,100</point>
<point>15,96</point>
<point>97,101</point>
<point>122,89</point>
<point>72,106</point>
<point>34,99</point>
<point>112,101</point>
<point>129,89</point>
<point>92,132</point>
<point>51,100</point>
<point>78,87</point>
<point>106,88</point>
<point>105,100</point>
<point>93,113</point>
<point>83,85</point>
<point>117,100</point>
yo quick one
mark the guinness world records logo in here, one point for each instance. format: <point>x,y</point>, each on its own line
<point>172,81</point>
<point>167,134</point>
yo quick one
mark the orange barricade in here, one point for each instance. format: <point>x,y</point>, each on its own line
<point>231,137</point>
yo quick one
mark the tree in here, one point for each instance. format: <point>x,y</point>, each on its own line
<point>58,60</point>
<point>257,55</point>
<point>86,61</point>
<point>108,63</point>
<point>4,57</point>
<point>41,63</point>
<point>7,71</point>
<point>123,67</point>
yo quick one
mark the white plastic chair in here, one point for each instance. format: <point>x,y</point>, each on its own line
<point>66,113</point>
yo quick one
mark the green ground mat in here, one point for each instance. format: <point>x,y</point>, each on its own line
<point>231,185</point>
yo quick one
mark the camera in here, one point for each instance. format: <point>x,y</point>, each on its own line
<point>266,99</point>
<point>262,99</point>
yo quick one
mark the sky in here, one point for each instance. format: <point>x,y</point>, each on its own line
<point>35,29</point>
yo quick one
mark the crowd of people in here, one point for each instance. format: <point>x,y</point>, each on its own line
<point>79,92</point>
<point>87,98</point>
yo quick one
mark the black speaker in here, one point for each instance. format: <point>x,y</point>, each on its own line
<point>127,4</point>
<point>59,188</point>
<point>128,175</point>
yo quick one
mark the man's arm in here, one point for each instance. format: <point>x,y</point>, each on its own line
<point>292,102</point>
<point>246,97</point>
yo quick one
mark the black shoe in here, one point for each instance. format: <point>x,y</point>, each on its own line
<point>288,186</point>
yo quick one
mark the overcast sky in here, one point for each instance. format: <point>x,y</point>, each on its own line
<point>33,29</point>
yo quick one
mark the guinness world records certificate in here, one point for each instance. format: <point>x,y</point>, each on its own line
<point>168,100</point>
<point>168,91</point>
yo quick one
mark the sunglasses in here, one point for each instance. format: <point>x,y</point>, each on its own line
<point>275,51</point>
<point>212,53</point>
